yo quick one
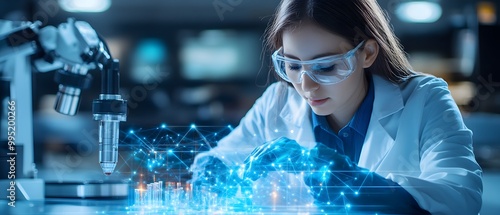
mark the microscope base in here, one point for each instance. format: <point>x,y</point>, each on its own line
<point>87,190</point>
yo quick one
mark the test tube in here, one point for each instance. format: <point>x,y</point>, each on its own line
<point>149,194</point>
<point>169,195</point>
<point>180,195</point>
<point>155,193</point>
<point>137,197</point>
<point>160,193</point>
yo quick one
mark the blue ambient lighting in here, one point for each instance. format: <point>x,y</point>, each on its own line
<point>419,11</point>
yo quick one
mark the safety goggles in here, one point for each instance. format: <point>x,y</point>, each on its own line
<point>325,70</point>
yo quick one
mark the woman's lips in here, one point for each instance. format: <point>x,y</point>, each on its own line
<point>317,102</point>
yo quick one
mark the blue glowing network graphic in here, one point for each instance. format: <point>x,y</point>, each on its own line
<point>158,161</point>
<point>166,151</point>
<point>273,177</point>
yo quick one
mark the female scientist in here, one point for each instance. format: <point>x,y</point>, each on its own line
<point>349,125</point>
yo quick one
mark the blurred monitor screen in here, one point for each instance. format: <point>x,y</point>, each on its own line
<point>489,37</point>
<point>219,55</point>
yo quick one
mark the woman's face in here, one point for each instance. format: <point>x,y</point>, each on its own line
<point>309,41</point>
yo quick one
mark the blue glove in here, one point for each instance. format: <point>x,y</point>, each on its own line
<point>338,184</point>
<point>279,154</point>
<point>211,172</point>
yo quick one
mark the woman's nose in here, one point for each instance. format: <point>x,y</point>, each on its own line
<point>308,84</point>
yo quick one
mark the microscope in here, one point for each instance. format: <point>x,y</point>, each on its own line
<point>71,50</point>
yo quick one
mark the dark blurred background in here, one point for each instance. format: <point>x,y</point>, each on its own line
<point>204,62</point>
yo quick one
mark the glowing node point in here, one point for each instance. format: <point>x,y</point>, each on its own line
<point>276,130</point>
<point>193,126</point>
<point>163,125</point>
<point>342,193</point>
<point>131,131</point>
<point>356,193</point>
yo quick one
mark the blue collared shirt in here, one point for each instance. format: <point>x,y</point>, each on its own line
<point>350,138</point>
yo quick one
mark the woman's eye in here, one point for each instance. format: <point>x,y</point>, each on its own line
<point>294,67</point>
<point>326,69</point>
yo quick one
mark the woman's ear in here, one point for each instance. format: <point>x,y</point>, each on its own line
<point>370,51</point>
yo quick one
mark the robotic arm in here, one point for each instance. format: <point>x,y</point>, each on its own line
<point>74,48</point>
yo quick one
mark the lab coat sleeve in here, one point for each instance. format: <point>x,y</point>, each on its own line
<point>450,180</point>
<point>250,133</point>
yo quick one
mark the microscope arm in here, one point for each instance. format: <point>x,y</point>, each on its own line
<point>73,48</point>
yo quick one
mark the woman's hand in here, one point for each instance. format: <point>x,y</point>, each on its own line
<point>211,172</point>
<point>330,167</point>
<point>282,154</point>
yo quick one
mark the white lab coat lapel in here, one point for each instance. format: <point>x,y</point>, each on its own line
<point>380,135</point>
<point>297,117</point>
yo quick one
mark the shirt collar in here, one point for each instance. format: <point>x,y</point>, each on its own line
<point>361,118</point>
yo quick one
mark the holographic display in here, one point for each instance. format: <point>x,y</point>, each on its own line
<point>279,176</point>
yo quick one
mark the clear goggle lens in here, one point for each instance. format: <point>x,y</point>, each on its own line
<point>326,70</point>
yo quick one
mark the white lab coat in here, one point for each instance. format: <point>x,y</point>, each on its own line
<point>416,138</point>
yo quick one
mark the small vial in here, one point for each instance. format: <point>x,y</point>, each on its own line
<point>149,194</point>
<point>137,197</point>
<point>160,193</point>
<point>180,196</point>
<point>169,195</point>
<point>155,193</point>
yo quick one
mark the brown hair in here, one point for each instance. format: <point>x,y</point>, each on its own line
<point>354,20</point>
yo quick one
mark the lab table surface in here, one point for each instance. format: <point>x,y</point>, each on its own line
<point>491,204</point>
